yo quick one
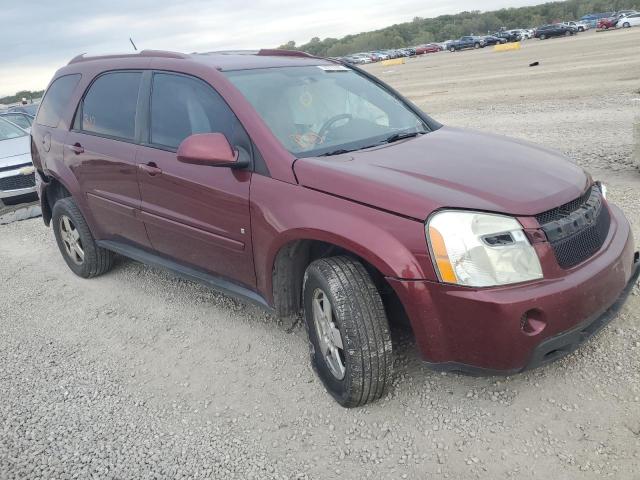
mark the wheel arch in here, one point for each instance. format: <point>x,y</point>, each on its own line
<point>54,190</point>
<point>292,257</point>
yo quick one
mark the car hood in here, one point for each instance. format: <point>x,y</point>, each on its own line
<point>16,151</point>
<point>449,167</point>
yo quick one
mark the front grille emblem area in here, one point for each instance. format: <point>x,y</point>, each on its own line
<point>577,229</point>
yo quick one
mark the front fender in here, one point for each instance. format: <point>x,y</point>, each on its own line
<point>282,213</point>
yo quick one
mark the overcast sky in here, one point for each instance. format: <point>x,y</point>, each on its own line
<point>38,36</point>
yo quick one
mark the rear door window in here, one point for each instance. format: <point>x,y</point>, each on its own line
<point>109,106</point>
<point>56,99</point>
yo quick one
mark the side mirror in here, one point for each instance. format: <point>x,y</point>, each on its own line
<point>211,149</point>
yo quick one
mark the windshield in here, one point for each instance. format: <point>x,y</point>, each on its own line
<point>8,130</point>
<point>323,110</point>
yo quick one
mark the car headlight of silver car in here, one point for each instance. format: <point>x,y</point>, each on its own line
<point>480,249</point>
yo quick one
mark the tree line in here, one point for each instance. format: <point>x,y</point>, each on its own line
<point>447,27</point>
<point>20,95</point>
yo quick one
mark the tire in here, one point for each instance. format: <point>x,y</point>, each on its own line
<point>67,219</point>
<point>581,29</point>
<point>626,25</point>
<point>568,33</point>
<point>452,49</point>
<point>476,45</point>
<point>543,37</point>
<point>340,289</point>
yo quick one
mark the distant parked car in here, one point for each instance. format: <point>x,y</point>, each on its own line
<point>467,42</point>
<point>631,20</point>
<point>606,23</point>
<point>592,19</point>
<point>579,26</point>
<point>30,109</point>
<point>362,58</point>
<point>624,13</point>
<point>523,33</point>
<point>428,48</point>
<point>509,35</point>
<point>23,120</point>
<point>555,30</point>
<point>491,40</point>
<point>17,180</point>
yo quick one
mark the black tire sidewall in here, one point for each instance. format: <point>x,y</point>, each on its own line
<point>68,207</point>
<point>339,389</point>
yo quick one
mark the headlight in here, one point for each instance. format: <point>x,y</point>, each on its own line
<point>480,249</point>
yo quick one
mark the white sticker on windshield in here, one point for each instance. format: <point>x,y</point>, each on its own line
<point>333,68</point>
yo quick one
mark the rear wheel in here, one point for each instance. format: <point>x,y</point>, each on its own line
<point>567,33</point>
<point>452,49</point>
<point>626,25</point>
<point>74,239</point>
<point>542,37</point>
<point>349,339</point>
<point>476,45</point>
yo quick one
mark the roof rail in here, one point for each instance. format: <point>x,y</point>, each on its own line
<point>228,52</point>
<point>143,53</point>
<point>276,52</point>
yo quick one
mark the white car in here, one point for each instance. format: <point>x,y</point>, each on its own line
<point>630,20</point>
<point>579,26</point>
<point>363,58</point>
<point>17,175</point>
<point>523,32</point>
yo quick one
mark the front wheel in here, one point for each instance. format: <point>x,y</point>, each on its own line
<point>349,339</point>
<point>542,37</point>
<point>626,25</point>
<point>452,49</point>
<point>476,45</point>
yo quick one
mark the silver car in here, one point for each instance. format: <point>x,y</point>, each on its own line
<point>17,177</point>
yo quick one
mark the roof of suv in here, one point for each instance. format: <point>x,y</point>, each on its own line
<point>232,60</point>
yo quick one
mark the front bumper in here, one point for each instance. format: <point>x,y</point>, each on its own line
<point>480,331</point>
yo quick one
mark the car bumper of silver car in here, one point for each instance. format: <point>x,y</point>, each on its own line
<point>17,181</point>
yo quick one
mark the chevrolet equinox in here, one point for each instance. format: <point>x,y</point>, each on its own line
<point>306,185</point>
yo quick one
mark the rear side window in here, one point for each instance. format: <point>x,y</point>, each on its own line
<point>56,99</point>
<point>182,106</point>
<point>109,107</point>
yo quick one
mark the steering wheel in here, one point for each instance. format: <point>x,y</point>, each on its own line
<point>329,123</point>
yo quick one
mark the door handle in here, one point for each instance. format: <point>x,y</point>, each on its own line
<point>76,148</point>
<point>150,168</point>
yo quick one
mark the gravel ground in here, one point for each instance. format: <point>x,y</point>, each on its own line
<point>138,374</point>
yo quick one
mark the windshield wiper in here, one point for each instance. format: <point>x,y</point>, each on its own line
<point>390,139</point>
<point>339,151</point>
<point>401,136</point>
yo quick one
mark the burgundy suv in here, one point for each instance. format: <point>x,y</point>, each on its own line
<point>303,184</point>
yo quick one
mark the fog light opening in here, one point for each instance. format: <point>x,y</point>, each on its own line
<point>532,322</point>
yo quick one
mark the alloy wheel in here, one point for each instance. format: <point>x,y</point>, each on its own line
<point>328,333</point>
<point>71,240</point>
